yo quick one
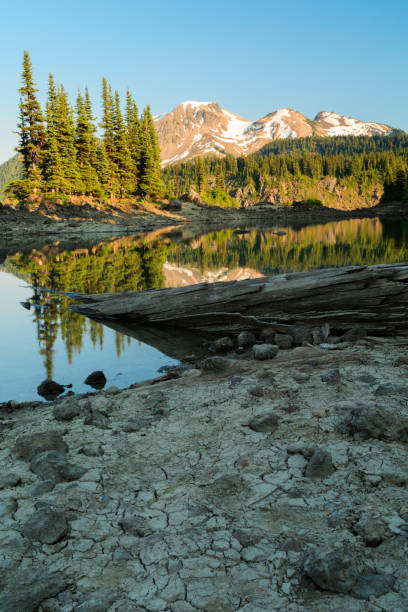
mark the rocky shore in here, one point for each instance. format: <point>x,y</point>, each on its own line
<point>83,220</point>
<point>244,485</point>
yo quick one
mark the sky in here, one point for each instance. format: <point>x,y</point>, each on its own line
<point>250,57</point>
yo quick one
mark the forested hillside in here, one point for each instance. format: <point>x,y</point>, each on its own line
<point>340,171</point>
<point>9,171</point>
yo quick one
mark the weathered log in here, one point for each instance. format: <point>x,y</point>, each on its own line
<point>373,298</point>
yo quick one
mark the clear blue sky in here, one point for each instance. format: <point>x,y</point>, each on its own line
<point>249,56</point>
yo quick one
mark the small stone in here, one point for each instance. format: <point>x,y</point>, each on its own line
<point>300,447</point>
<point>283,341</point>
<point>372,585</point>
<point>246,339</point>
<point>135,525</point>
<point>96,418</point>
<point>214,364</point>
<point>297,461</point>
<point>33,444</point>
<point>320,412</point>
<point>332,377</point>
<point>265,351</point>
<point>332,568</point>
<point>320,465</point>
<point>46,526</point>
<point>96,379</point>
<point>390,389</point>
<point>54,466</point>
<point>136,424</point>
<point>66,411</point>
<point>301,334</point>
<point>301,377</point>
<point>222,345</point>
<point>49,389</point>
<point>366,379</point>
<point>352,335</point>
<point>371,529</point>
<point>91,450</point>
<point>264,423</point>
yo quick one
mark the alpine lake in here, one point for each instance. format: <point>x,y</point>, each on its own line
<point>42,338</point>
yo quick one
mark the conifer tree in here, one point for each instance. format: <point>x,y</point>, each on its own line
<point>86,144</point>
<point>200,174</point>
<point>65,130</point>
<point>108,122</point>
<point>133,133</point>
<point>150,182</point>
<point>123,159</point>
<point>31,127</point>
<point>51,163</point>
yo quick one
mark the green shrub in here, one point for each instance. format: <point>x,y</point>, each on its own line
<point>218,197</point>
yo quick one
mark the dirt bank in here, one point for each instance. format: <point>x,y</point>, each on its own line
<point>251,486</point>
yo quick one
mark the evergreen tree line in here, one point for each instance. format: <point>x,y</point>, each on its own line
<point>362,161</point>
<point>62,154</point>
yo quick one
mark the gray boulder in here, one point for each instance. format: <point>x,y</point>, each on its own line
<point>332,377</point>
<point>29,446</point>
<point>66,411</point>
<point>320,465</point>
<point>332,568</point>
<point>265,351</point>
<point>49,389</point>
<point>283,341</point>
<point>246,339</point>
<point>264,423</point>
<point>373,422</point>
<point>372,585</point>
<point>46,526</point>
<point>372,530</point>
<point>54,466</point>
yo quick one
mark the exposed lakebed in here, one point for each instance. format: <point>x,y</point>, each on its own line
<point>42,338</point>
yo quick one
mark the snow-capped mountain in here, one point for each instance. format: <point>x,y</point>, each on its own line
<point>202,128</point>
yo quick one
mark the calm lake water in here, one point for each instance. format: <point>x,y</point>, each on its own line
<point>41,338</point>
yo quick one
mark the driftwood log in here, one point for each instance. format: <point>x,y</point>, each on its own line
<point>369,298</point>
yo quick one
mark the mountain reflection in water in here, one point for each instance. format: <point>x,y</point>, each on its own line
<point>136,264</point>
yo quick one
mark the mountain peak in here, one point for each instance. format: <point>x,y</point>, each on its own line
<point>204,128</point>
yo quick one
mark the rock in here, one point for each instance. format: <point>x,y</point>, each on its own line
<point>97,419</point>
<point>33,444</point>
<point>174,205</point>
<point>46,526</point>
<point>283,341</point>
<point>320,412</point>
<point>25,589</point>
<point>264,423</point>
<point>54,466</point>
<point>371,529</point>
<point>246,339</point>
<point>265,351</point>
<point>332,377</point>
<point>367,379</point>
<point>49,389</point>
<point>9,480</point>
<point>320,465</point>
<point>301,448</point>
<point>192,196</point>
<point>96,379</point>
<point>332,568</point>
<point>301,377</point>
<point>301,334</point>
<point>256,391</point>
<point>268,336</point>
<point>66,411</point>
<point>390,389</point>
<point>372,585</point>
<point>317,336</point>
<point>91,450</point>
<point>222,345</point>
<point>135,525</point>
<point>373,422</point>
<point>136,424</point>
<point>212,364</point>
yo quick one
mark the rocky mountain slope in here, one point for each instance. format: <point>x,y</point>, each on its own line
<point>202,128</point>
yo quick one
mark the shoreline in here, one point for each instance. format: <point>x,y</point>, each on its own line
<point>68,222</point>
<point>161,497</point>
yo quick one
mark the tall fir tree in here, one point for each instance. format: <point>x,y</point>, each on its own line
<point>86,145</point>
<point>133,133</point>
<point>66,138</point>
<point>31,127</point>
<point>150,182</point>
<point>123,159</point>
<point>51,164</point>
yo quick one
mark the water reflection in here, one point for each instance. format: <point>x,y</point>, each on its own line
<point>134,264</point>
